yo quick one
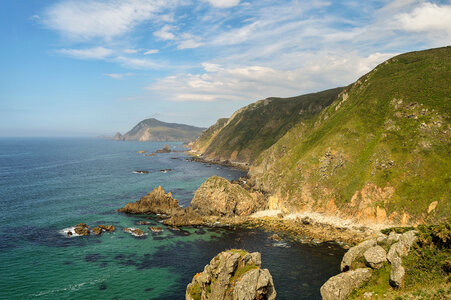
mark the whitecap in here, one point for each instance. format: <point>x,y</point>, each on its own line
<point>66,230</point>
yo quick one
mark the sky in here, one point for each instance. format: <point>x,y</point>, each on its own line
<point>96,67</point>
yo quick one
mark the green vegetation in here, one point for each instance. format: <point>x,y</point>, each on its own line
<point>195,292</point>
<point>154,130</point>
<point>257,126</point>
<point>428,268</point>
<point>388,132</point>
<point>240,271</point>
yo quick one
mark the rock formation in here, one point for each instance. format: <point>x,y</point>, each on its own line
<point>232,274</point>
<point>217,196</point>
<point>109,228</point>
<point>82,229</point>
<point>155,202</point>
<point>340,286</point>
<point>165,149</point>
<point>134,231</point>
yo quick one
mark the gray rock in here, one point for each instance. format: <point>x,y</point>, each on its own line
<point>381,238</point>
<point>375,257</point>
<point>409,238</point>
<point>397,273</point>
<point>402,247</point>
<point>393,237</point>
<point>341,286</point>
<point>245,288</point>
<point>355,252</point>
<point>215,282</point>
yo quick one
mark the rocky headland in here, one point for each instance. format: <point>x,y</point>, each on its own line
<point>232,274</point>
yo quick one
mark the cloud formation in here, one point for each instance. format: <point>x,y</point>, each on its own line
<point>90,53</point>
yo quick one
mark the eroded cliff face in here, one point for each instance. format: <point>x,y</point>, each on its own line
<point>379,154</point>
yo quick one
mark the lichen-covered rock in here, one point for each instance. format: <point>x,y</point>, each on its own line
<point>341,286</point>
<point>232,275</point>
<point>393,237</point>
<point>217,196</point>
<point>155,202</point>
<point>375,257</point>
<point>402,247</point>
<point>355,252</point>
<point>397,272</point>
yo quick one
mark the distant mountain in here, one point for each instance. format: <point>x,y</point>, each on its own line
<point>153,130</point>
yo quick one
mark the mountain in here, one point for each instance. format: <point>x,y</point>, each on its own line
<point>157,131</point>
<point>379,153</point>
<point>254,128</point>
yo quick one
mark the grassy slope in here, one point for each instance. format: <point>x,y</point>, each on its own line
<point>391,128</point>
<point>257,126</point>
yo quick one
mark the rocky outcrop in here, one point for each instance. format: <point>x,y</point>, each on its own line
<point>165,149</point>
<point>355,252</point>
<point>155,202</point>
<point>134,231</point>
<point>217,196</point>
<point>109,228</point>
<point>184,217</point>
<point>81,229</point>
<point>232,274</point>
<point>375,257</point>
<point>97,230</point>
<point>340,286</point>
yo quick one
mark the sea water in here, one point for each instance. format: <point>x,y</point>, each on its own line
<point>48,185</point>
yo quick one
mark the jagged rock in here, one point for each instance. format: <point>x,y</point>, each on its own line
<point>82,229</point>
<point>97,230</point>
<point>134,231</point>
<point>375,257</point>
<point>109,228</point>
<point>397,272</point>
<point>217,196</point>
<point>232,274</point>
<point>165,149</point>
<point>354,253</point>
<point>155,202</point>
<point>339,287</point>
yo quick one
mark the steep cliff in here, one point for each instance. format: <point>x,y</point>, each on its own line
<point>256,127</point>
<point>379,153</point>
<point>157,131</point>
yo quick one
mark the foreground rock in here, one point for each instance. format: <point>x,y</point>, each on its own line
<point>375,257</point>
<point>355,252</point>
<point>217,196</point>
<point>340,286</point>
<point>155,202</point>
<point>232,274</point>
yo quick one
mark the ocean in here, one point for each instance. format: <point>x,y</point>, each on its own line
<point>50,184</point>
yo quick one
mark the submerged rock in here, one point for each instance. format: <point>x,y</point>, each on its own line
<point>217,196</point>
<point>134,231</point>
<point>155,229</point>
<point>81,229</point>
<point>155,202</point>
<point>339,287</point>
<point>232,274</point>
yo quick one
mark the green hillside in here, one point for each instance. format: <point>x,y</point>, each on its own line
<point>380,152</point>
<point>257,126</point>
<point>158,131</point>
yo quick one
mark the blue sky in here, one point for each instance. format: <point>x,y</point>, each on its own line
<point>92,67</point>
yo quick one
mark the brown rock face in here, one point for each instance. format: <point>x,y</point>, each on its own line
<point>97,230</point>
<point>217,196</point>
<point>232,274</point>
<point>185,217</point>
<point>155,202</point>
<point>81,229</point>
<point>109,228</point>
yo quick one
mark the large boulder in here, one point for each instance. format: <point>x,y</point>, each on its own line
<point>232,275</point>
<point>375,257</point>
<point>402,247</point>
<point>155,202</point>
<point>355,252</point>
<point>397,272</point>
<point>217,196</point>
<point>341,286</point>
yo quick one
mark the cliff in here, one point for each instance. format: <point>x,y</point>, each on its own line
<point>375,152</point>
<point>154,130</point>
<point>256,127</point>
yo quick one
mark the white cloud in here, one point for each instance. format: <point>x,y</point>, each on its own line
<point>427,17</point>
<point>90,53</point>
<point>101,19</point>
<point>224,3</point>
<point>189,41</point>
<point>312,72</point>
<point>118,75</point>
<point>165,33</point>
<point>131,51</point>
<point>136,63</point>
<point>151,51</point>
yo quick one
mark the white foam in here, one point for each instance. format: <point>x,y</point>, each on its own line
<point>66,230</point>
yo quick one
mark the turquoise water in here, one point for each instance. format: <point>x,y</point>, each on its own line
<point>47,185</point>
